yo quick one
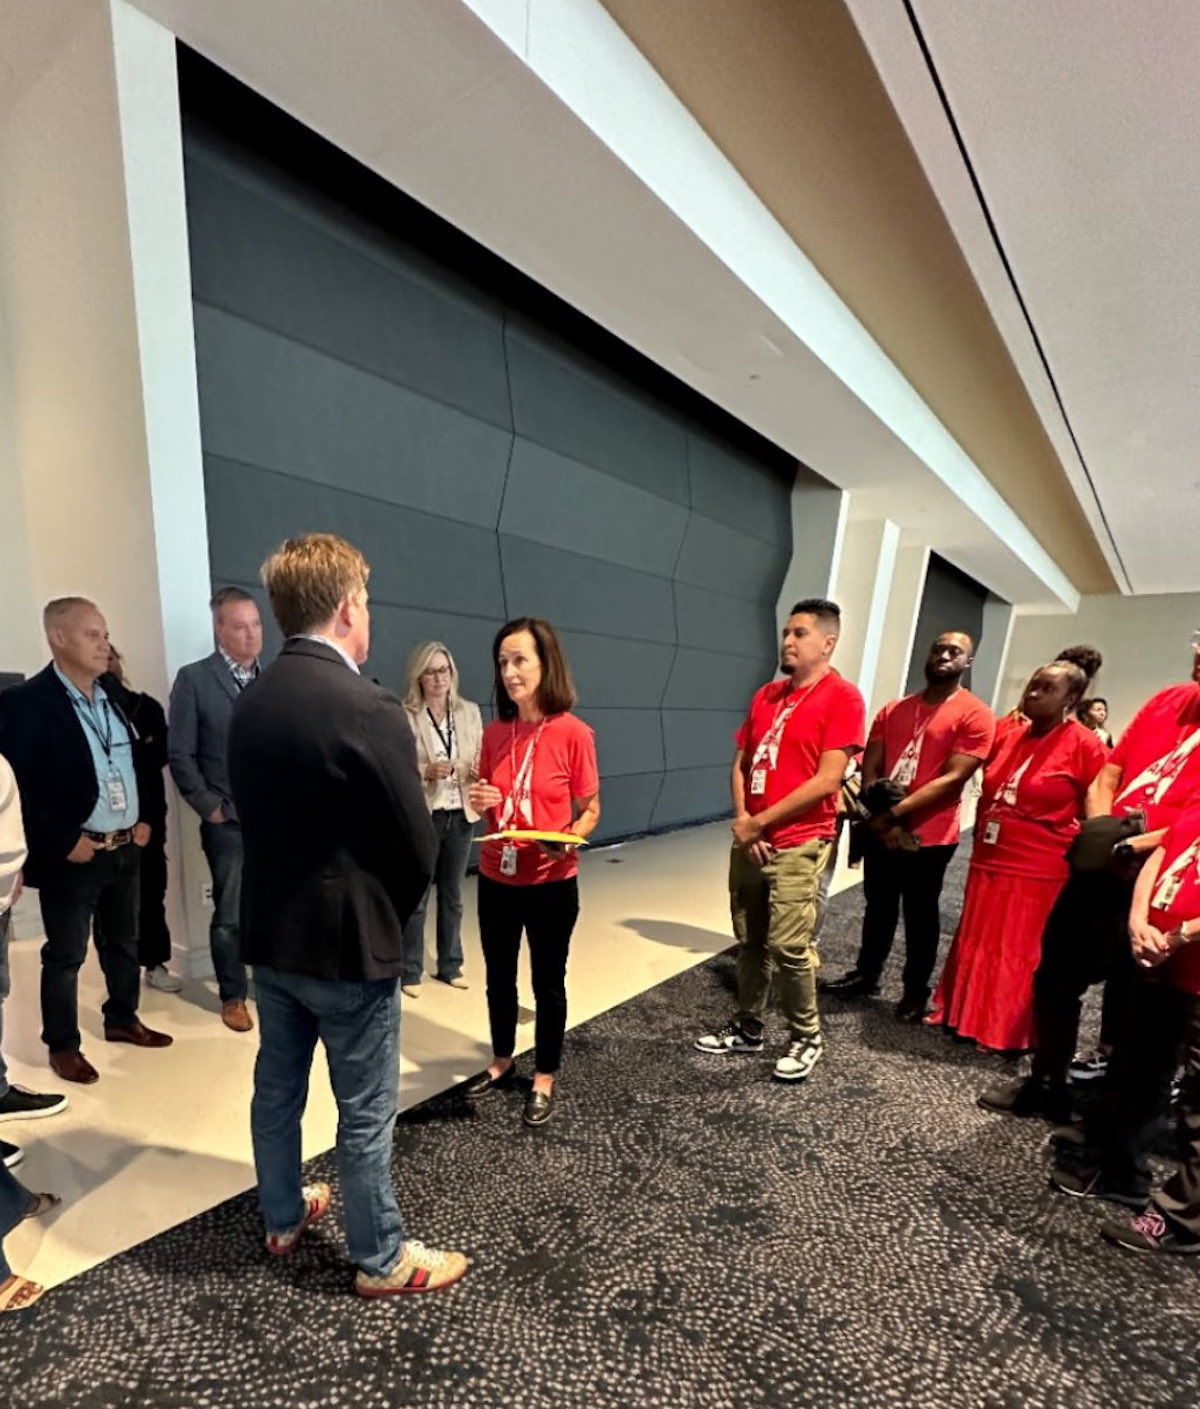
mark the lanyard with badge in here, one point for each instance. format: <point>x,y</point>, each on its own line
<point>114,783</point>
<point>518,805</point>
<point>766,755</point>
<point>446,785</point>
<point>1007,795</point>
<point>905,771</point>
<point>1152,783</point>
<point>1166,888</point>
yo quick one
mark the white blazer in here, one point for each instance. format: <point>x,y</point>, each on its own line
<point>468,737</point>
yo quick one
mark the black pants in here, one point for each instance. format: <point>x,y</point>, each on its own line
<point>1086,941</point>
<point>154,938</point>
<point>547,913</point>
<point>912,880</point>
<point>106,890</point>
<point>1123,1128</point>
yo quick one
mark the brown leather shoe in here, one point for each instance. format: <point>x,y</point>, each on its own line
<point>138,1034</point>
<point>73,1066</point>
<point>236,1016</point>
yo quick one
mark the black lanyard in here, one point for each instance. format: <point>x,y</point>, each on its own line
<point>87,714</point>
<point>448,737</point>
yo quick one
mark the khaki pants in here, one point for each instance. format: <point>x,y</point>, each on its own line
<point>775,910</point>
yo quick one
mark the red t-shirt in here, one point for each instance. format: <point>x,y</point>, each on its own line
<point>960,724</point>
<point>828,715</point>
<point>1033,797</point>
<point>1159,730</point>
<point>1171,905</point>
<point>564,767</point>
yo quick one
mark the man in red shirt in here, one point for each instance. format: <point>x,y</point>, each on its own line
<point>930,744</point>
<point>792,751</point>
<point>1155,768</point>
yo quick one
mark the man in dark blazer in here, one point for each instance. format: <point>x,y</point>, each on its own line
<point>82,783</point>
<point>339,849</point>
<point>201,707</point>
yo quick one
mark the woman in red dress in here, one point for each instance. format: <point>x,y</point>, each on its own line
<point>1034,789</point>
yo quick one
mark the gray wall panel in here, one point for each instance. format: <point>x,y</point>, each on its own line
<point>566,403</point>
<point>715,555</point>
<point>725,487</point>
<point>714,622</point>
<point>628,740</point>
<point>587,594</point>
<point>282,406</point>
<point>487,465</point>
<point>252,253</point>
<point>697,738</point>
<point>554,500</point>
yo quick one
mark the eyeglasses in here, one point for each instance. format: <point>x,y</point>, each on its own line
<point>435,671</point>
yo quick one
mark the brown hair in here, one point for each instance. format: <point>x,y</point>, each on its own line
<point>556,694</point>
<point>308,577</point>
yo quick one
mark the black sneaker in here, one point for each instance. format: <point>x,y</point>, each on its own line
<point>19,1103</point>
<point>727,1040</point>
<point>1149,1232</point>
<point>1091,1068</point>
<point>1084,1181</point>
<point>912,1010</point>
<point>10,1154</point>
<point>850,985</point>
<point>1030,1097</point>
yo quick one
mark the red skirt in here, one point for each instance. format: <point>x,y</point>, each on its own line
<point>986,988</point>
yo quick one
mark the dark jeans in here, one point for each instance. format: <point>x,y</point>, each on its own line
<point>104,890</point>
<point>911,880</point>
<point>547,913</point>
<point>5,989</point>
<point>222,843</point>
<point>1124,1126</point>
<point>154,938</point>
<point>359,1025</point>
<point>15,1201</point>
<point>1086,941</point>
<point>1179,1198</point>
<point>454,834</point>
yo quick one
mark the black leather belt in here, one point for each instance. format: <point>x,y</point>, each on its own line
<point>110,841</point>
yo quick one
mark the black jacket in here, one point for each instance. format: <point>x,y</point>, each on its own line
<point>41,736</point>
<point>338,843</point>
<point>147,716</point>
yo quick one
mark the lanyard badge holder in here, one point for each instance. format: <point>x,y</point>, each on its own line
<point>518,804</point>
<point>115,793</point>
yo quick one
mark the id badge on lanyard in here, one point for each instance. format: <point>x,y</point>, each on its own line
<point>114,788</point>
<point>508,859</point>
<point>991,832</point>
<point>758,782</point>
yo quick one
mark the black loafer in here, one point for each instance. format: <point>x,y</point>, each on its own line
<point>538,1107</point>
<point>483,1083</point>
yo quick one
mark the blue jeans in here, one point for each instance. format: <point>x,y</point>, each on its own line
<point>454,835</point>
<point>222,843</point>
<point>359,1024</point>
<point>5,989</point>
<point>15,1200</point>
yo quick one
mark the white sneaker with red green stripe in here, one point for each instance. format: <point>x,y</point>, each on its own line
<point>420,1269</point>
<point>316,1205</point>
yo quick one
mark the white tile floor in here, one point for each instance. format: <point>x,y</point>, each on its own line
<point>165,1135</point>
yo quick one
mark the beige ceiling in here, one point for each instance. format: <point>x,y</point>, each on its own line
<point>788,92</point>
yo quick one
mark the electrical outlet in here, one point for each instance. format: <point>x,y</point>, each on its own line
<point>206,893</point>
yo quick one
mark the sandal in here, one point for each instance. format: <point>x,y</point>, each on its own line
<point>19,1293</point>
<point>43,1204</point>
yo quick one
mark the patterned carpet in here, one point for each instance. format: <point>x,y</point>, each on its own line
<point>685,1233</point>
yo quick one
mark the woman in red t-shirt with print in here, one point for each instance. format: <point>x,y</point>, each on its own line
<point>1034,790</point>
<point>537,772</point>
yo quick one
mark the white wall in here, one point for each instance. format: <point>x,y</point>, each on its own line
<point>1146,643</point>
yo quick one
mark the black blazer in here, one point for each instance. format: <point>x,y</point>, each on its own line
<point>338,843</point>
<point>41,736</point>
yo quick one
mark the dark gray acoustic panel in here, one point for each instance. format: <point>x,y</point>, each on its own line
<point>364,370</point>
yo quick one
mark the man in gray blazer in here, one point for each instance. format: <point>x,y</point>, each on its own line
<point>202,701</point>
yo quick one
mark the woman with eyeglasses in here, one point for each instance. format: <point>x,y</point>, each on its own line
<point>448,732</point>
<point>537,772</point>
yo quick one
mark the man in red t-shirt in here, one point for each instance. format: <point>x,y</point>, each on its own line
<point>792,751</point>
<point>929,744</point>
<point>1155,769</point>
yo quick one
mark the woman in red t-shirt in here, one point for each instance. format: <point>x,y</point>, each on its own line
<point>537,772</point>
<point>1034,788</point>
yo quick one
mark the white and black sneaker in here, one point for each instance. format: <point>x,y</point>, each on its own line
<point>12,1155</point>
<point>19,1103</point>
<point>727,1040</point>
<point>803,1053</point>
<point>1089,1068</point>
